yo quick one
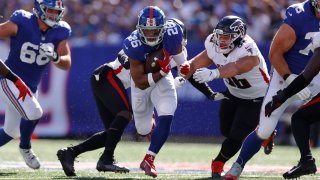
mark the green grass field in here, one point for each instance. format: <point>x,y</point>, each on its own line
<point>175,161</point>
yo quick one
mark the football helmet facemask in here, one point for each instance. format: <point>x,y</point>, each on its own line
<point>315,4</point>
<point>150,25</point>
<point>49,11</point>
<point>228,34</point>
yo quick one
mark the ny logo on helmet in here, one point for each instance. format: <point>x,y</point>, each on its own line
<point>151,22</point>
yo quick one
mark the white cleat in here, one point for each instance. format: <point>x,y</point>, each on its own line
<point>30,158</point>
<point>234,173</point>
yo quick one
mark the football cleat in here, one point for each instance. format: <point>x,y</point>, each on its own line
<point>234,172</point>
<point>111,166</point>
<point>30,158</point>
<point>303,168</point>
<point>268,144</point>
<point>148,167</point>
<point>216,169</point>
<point>66,157</point>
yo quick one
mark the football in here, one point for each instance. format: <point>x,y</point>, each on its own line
<point>151,65</point>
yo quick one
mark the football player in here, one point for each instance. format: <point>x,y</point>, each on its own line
<point>306,114</point>
<point>290,51</point>
<point>37,39</point>
<point>244,71</point>
<point>153,90</point>
<point>109,83</point>
<point>110,95</point>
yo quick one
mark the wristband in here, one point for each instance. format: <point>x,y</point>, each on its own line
<point>150,80</point>
<point>56,60</point>
<point>11,76</point>
<point>162,73</point>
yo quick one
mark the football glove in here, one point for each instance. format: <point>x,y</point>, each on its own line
<point>276,102</point>
<point>23,89</point>
<point>49,52</point>
<point>304,94</point>
<point>203,75</point>
<point>184,68</point>
<point>179,82</point>
<point>216,96</point>
<point>165,63</point>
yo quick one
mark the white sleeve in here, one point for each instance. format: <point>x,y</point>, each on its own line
<point>181,57</point>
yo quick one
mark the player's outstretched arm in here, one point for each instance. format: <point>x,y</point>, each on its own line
<point>64,56</point>
<point>282,42</point>
<point>241,66</point>
<point>8,29</point>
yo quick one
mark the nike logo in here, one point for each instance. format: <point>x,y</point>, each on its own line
<point>293,169</point>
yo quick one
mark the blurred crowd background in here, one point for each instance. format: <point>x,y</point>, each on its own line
<point>110,21</point>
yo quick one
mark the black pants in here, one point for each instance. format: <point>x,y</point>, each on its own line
<point>239,117</point>
<point>109,93</point>
<point>301,122</point>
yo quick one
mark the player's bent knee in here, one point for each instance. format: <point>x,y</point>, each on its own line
<point>34,114</point>
<point>14,133</point>
<point>126,114</point>
<point>143,128</point>
<point>264,134</point>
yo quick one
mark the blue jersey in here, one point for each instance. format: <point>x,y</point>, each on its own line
<point>137,50</point>
<point>24,58</point>
<point>301,18</point>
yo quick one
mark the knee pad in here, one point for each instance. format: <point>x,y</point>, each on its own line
<point>34,114</point>
<point>14,133</point>
<point>143,127</point>
<point>120,122</point>
<point>126,114</point>
<point>264,133</point>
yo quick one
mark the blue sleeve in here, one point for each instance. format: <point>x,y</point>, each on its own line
<point>65,30</point>
<point>18,17</point>
<point>172,39</point>
<point>292,18</point>
<point>135,53</point>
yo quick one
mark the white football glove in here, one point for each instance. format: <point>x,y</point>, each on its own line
<point>304,94</point>
<point>216,96</point>
<point>179,82</point>
<point>49,52</point>
<point>203,75</point>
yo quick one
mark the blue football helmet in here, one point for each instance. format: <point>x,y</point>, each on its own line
<point>41,8</point>
<point>229,33</point>
<point>150,25</point>
<point>315,5</point>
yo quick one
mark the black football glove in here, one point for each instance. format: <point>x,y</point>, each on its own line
<point>276,102</point>
<point>216,96</point>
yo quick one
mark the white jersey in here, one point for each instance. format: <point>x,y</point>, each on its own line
<point>122,73</point>
<point>249,85</point>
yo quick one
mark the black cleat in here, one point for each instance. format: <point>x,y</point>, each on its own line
<point>66,158</point>
<point>303,168</point>
<point>111,166</point>
<point>268,144</point>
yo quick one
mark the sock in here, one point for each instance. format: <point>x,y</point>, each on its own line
<point>229,148</point>
<point>26,129</point>
<point>96,141</point>
<point>160,133</point>
<point>4,137</point>
<point>114,132</point>
<point>250,147</point>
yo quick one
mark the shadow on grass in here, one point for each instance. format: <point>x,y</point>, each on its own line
<point>7,174</point>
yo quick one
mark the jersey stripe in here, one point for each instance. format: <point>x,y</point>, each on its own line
<point>12,98</point>
<point>264,75</point>
<point>118,89</point>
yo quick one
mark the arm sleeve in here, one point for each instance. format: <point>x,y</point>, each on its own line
<point>204,88</point>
